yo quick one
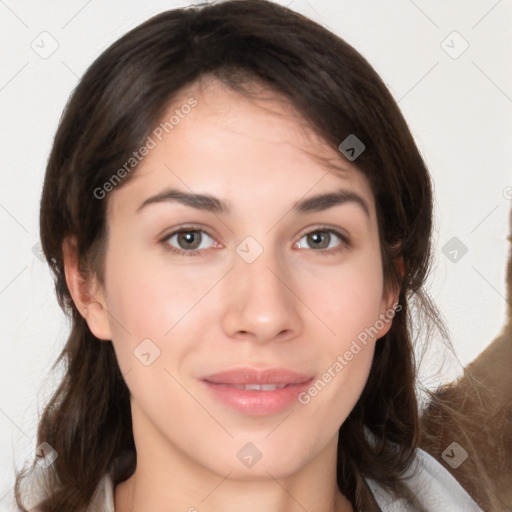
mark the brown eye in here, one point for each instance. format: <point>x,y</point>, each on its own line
<point>323,240</point>
<point>188,241</point>
<point>319,239</point>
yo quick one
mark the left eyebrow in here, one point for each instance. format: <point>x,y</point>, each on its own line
<point>325,201</point>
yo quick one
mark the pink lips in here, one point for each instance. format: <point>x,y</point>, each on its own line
<point>280,388</point>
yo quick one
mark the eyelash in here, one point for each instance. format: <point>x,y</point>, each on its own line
<point>345,241</point>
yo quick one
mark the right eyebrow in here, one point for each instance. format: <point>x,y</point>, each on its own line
<point>198,201</point>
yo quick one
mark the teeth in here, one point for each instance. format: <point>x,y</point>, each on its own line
<point>259,387</point>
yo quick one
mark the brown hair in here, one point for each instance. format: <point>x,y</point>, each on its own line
<point>110,114</point>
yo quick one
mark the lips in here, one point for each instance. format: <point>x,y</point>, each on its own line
<point>247,376</point>
<point>257,392</point>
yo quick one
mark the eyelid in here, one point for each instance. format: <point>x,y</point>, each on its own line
<point>184,228</point>
<point>326,227</point>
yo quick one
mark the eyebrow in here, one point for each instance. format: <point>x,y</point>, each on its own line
<point>325,201</point>
<point>198,201</point>
<point>213,204</point>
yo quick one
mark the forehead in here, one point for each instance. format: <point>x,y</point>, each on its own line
<point>262,116</point>
<point>256,149</point>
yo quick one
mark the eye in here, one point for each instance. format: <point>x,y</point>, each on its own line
<point>188,241</point>
<point>323,240</point>
<point>191,241</point>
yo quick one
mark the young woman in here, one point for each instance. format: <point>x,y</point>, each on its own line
<point>238,221</point>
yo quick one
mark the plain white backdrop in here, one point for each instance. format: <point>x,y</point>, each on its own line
<point>446,63</point>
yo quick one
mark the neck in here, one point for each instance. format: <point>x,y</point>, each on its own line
<point>159,484</point>
<point>127,499</point>
<point>167,478</point>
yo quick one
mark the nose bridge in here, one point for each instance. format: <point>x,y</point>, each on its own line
<point>260,302</point>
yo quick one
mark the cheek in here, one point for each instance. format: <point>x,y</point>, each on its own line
<point>349,304</point>
<point>151,300</point>
<point>150,296</point>
<point>349,299</point>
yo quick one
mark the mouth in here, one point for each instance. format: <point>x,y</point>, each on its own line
<point>257,392</point>
<point>253,377</point>
<point>259,387</point>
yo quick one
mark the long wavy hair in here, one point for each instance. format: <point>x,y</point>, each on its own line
<point>110,114</point>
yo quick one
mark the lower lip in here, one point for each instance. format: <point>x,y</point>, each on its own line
<point>257,403</point>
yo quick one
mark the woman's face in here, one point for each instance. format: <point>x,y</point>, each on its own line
<point>265,275</point>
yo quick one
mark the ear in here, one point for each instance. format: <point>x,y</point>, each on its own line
<point>85,291</point>
<point>390,298</point>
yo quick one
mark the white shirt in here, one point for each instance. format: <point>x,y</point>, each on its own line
<point>436,489</point>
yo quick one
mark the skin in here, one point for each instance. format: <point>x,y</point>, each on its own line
<point>293,307</point>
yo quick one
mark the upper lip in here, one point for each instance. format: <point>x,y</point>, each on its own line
<point>244,376</point>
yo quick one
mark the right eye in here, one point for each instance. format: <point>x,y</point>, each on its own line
<point>188,241</point>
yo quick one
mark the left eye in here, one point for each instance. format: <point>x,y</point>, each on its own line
<point>321,239</point>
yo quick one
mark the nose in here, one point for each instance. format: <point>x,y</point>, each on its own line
<point>260,301</point>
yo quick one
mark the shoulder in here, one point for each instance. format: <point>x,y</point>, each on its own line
<point>35,490</point>
<point>436,489</point>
